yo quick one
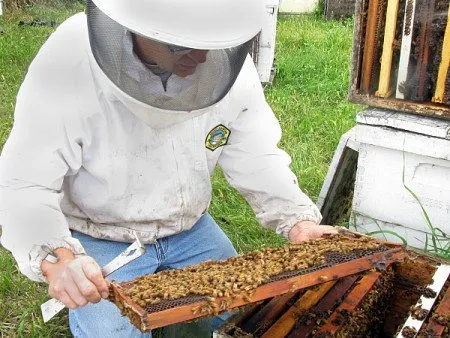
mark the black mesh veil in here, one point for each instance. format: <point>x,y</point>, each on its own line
<point>112,47</point>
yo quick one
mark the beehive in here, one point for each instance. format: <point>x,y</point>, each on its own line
<point>365,305</point>
<point>401,56</point>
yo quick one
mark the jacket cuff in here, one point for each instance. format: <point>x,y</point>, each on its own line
<point>39,252</point>
<point>286,227</point>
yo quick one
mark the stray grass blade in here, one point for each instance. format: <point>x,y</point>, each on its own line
<point>393,233</point>
<point>427,218</point>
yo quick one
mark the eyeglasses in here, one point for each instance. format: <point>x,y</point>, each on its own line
<point>178,50</point>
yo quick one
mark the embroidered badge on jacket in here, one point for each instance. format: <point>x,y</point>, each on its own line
<point>217,137</point>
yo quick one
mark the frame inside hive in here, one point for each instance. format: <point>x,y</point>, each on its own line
<point>401,53</point>
<point>367,304</point>
<point>172,311</point>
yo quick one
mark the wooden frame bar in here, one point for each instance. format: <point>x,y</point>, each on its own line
<point>442,310</point>
<point>384,86</point>
<point>350,303</point>
<point>370,44</point>
<point>268,314</point>
<point>330,301</point>
<point>359,96</point>
<point>444,65</point>
<point>431,109</point>
<point>287,321</point>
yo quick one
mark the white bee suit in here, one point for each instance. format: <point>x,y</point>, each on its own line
<point>84,155</point>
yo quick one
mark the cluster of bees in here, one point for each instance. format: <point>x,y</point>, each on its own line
<point>442,319</point>
<point>409,332</point>
<point>418,313</point>
<point>366,320</point>
<point>238,277</point>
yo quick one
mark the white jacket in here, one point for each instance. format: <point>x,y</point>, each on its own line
<point>85,156</point>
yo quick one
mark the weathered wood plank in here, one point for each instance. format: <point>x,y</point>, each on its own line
<point>350,303</point>
<point>286,322</point>
<point>266,316</point>
<point>330,301</point>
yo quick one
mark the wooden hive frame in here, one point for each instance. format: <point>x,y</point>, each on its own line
<point>362,67</point>
<point>179,312</point>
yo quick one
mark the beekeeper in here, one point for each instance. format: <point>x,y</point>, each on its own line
<point>121,119</point>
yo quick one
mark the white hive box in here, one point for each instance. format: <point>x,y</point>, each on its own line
<point>298,6</point>
<point>373,163</point>
<point>398,150</point>
<point>264,53</point>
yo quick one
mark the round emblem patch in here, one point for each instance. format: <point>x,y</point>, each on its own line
<point>217,137</point>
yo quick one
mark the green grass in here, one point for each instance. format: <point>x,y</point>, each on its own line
<point>18,45</point>
<point>19,305</point>
<point>309,98</point>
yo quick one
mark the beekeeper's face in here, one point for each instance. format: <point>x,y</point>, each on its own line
<point>179,61</point>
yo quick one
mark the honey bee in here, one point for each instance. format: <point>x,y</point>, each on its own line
<point>237,277</point>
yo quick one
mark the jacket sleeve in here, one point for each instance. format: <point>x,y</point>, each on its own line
<point>255,166</point>
<point>42,148</point>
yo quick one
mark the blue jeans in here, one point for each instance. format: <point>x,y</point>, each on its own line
<point>204,241</point>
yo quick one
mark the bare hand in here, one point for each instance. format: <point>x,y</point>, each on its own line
<point>75,281</point>
<point>306,230</point>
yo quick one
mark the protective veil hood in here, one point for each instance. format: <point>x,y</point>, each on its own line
<point>200,24</point>
<point>113,34</point>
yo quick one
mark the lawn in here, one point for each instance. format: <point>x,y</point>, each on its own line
<point>309,97</point>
